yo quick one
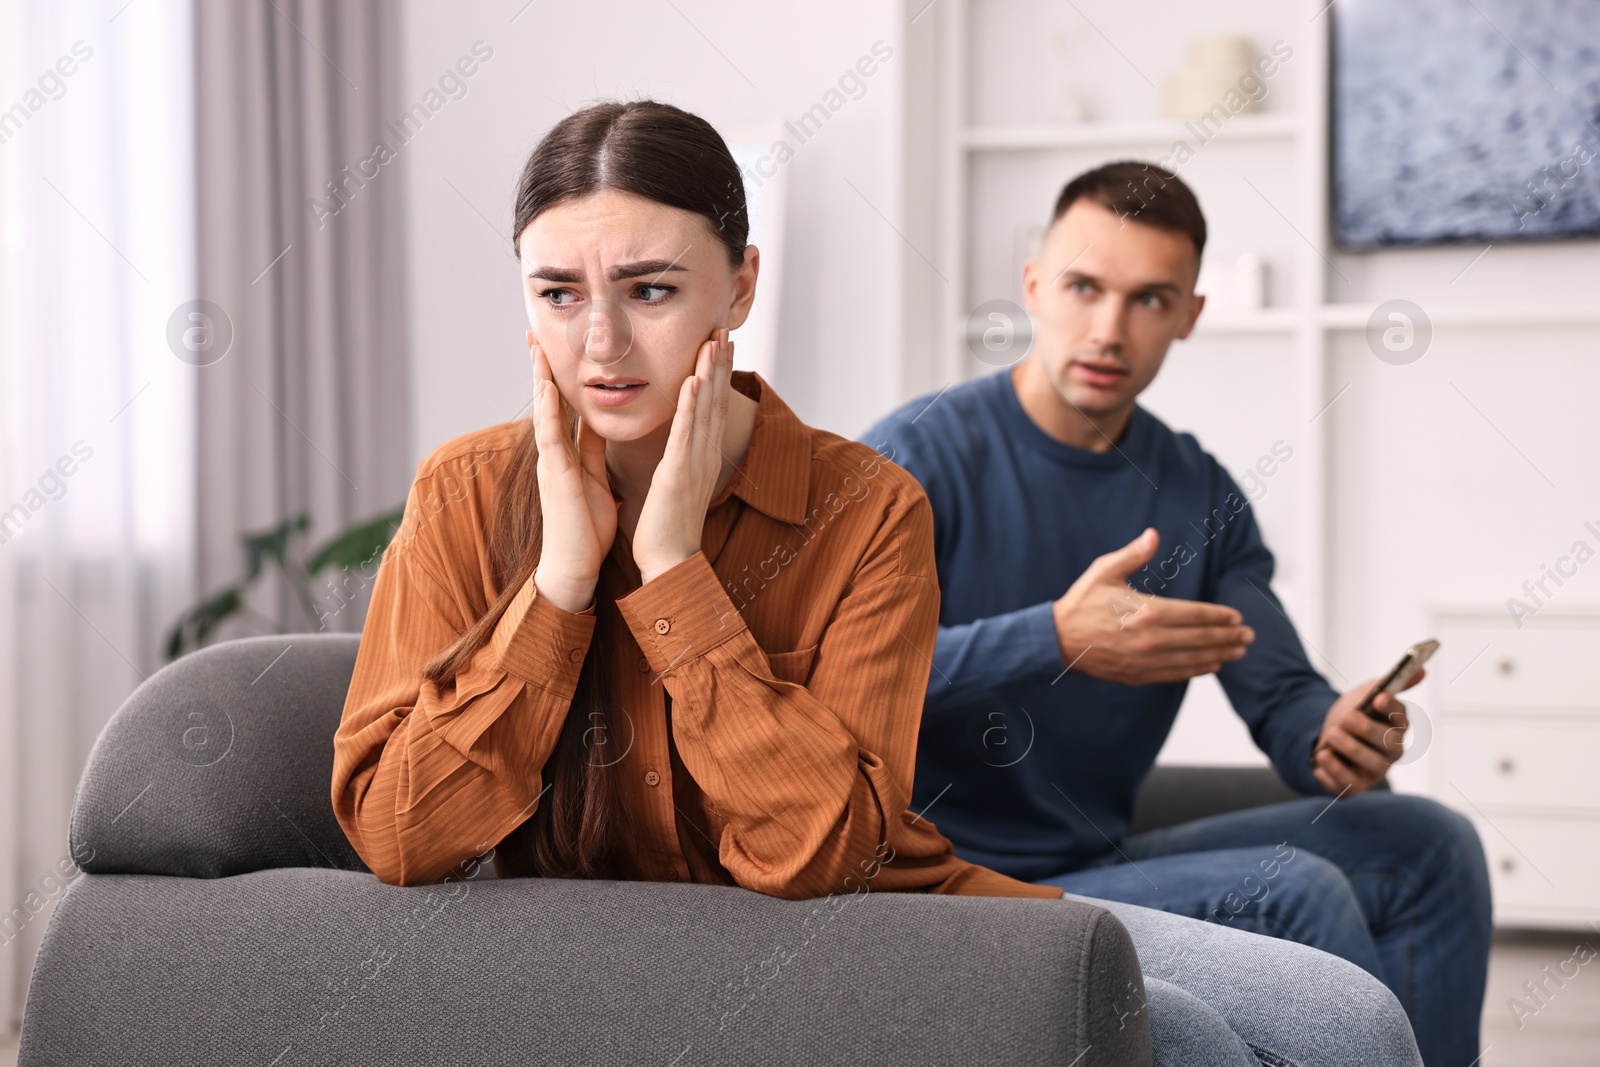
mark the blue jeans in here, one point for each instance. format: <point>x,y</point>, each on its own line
<point>1221,997</point>
<point>1395,884</point>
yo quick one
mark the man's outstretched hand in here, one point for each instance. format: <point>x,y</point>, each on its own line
<point>1109,630</point>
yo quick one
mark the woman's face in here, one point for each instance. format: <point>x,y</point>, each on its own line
<point>621,287</point>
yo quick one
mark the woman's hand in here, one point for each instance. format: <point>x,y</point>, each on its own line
<point>575,502</point>
<point>674,512</point>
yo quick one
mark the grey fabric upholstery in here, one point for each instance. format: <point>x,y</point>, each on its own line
<point>221,763</point>
<point>225,918</point>
<point>301,966</point>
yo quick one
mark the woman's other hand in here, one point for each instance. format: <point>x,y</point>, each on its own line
<point>674,512</point>
<point>575,501</point>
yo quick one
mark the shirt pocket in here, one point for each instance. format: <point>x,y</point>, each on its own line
<point>792,666</point>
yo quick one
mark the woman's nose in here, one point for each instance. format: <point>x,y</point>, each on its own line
<point>601,335</point>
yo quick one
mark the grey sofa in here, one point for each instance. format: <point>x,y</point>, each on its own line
<point>224,918</point>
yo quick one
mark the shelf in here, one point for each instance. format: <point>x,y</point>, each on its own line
<point>1350,317</point>
<point>1278,320</point>
<point>1269,126</point>
<point>1262,321</point>
<point>1354,316</point>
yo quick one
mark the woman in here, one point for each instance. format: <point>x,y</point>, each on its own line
<point>666,631</point>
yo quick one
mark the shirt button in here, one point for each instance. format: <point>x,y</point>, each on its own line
<point>644,665</point>
<point>575,655</point>
<point>662,626</point>
<point>672,874</point>
<point>652,778</point>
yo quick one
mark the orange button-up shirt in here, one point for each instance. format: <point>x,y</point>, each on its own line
<point>795,648</point>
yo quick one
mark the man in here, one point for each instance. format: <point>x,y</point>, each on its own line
<point>1091,561</point>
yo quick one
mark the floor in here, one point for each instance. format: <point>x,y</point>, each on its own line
<point>1561,1029</point>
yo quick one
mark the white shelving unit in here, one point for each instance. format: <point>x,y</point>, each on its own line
<point>1515,753</point>
<point>1247,126</point>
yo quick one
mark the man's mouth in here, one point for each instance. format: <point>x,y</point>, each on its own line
<point>1102,375</point>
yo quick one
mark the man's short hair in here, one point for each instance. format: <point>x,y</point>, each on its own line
<point>1140,191</point>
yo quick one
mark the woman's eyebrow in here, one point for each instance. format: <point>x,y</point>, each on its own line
<point>644,267</point>
<point>556,274</point>
<point>641,269</point>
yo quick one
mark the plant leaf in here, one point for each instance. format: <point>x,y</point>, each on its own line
<point>200,621</point>
<point>271,544</point>
<point>358,545</point>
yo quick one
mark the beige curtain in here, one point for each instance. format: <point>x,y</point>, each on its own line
<point>300,255</point>
<point>96,413</point>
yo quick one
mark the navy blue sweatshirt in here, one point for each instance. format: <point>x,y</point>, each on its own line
<point>1029,769</point>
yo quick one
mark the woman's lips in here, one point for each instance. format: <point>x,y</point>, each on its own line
<point>613,397</point>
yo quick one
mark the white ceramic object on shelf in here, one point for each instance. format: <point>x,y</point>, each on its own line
<point>1217,66</point>
<point>1065,103</point>
<point>1237,283</point>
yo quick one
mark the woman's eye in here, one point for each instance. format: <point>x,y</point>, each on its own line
<point>554,297</point>
<point>653,294</point>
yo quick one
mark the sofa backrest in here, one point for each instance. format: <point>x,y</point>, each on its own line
<point>300,966</point>
<point>221,763</point>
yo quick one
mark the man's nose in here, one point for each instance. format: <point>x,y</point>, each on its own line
<point>1107,326</point>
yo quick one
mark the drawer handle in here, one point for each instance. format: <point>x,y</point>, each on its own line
<point>1508,865</point>
<point>1507,667</point>
<point>1506,765</point>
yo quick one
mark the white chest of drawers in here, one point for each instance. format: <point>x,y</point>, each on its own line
<point>1515,714</point>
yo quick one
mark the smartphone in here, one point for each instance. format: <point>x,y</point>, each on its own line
<point>1397,679</point>
<point>1393,683</point>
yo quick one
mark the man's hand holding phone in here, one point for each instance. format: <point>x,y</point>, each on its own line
<point>1109,630</point>
<point>1365,730</point>
<point>1364,734</point>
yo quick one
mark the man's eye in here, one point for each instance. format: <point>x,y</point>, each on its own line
<point>1078,287</point>
<point>1152,300</point>
<point>653,294</point>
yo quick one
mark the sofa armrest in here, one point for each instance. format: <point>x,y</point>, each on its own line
<point>302,965</point>
<point>221,763</point>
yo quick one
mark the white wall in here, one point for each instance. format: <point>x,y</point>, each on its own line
<point>746,70</point>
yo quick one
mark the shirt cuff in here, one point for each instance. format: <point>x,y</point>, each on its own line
<point>1044,647</point>
<point>542,644</point>
<point>681,614</point>
<point>1297,775</point>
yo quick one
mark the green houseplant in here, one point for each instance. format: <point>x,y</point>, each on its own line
<point>359,546</point>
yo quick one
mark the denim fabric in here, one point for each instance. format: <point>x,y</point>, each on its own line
<point>1395,884</point>
<point>1227,997</point>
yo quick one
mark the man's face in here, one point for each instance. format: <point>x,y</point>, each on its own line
<point>1108,294</point>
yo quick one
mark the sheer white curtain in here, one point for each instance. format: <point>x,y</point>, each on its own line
<point>97,251</point>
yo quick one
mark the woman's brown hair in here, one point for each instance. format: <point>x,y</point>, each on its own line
<point>672,157</point>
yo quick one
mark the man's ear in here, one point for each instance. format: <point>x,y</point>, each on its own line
<point>744,287</point>
<point>1194,314</point>
<point>1030,286</point>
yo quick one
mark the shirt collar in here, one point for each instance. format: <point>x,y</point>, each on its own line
<point>775,474</point>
